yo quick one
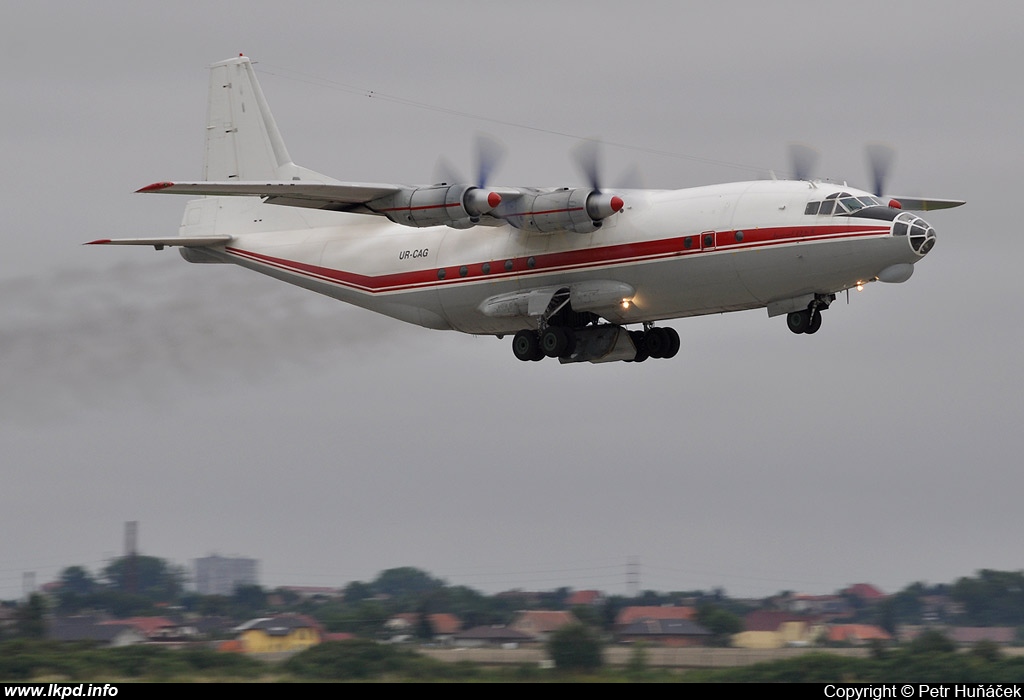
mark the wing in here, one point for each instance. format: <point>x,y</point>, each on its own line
<point>342,196</point>
<point>457,205</point>
<point>928,204</point>
<point>159,243</point>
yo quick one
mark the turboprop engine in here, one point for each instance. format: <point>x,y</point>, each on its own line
<point>459,206</point>
<point>579,210</point>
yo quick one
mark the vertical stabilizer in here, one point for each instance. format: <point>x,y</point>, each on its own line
<point>242,140</point>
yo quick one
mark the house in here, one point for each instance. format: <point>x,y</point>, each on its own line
<point>284,633</point>
<point>539,624</point>
<point>857,635</point>
<point>666,633</point>
<point>585,598</point>
<point>404,626</point>
<point>829,606</point>
<point>87,628</point>
<point>491,636</point>
<point>774,629</point>
<point>633,613</point>
<point>444,626</point>
<point>865,592</point>
<point>158,629</point>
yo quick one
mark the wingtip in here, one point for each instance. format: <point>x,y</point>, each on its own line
<point>98,241</point>
<point>155,187</point>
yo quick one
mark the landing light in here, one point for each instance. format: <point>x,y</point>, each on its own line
<point>625,303</point>
<point>860,287</point>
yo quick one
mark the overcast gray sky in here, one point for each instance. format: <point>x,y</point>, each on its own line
<point>230,413</point>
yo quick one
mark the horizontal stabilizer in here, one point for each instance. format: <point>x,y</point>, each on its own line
<point>928,204</point>
<point>343,196</point>
<point>158,243</point>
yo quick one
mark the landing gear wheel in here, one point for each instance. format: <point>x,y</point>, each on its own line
<point>557,341</point>
<point>526,346</point>
<point>658,342</point>
<point>673,343</point>
<point>800,321</point>
<point>815,322</point>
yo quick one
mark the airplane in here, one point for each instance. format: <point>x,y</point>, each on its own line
<point>564,270</point>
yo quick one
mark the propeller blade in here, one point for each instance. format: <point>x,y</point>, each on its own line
<point>880,160</point>
<point>489,154</point>
<point>587,156</point>
<point>803,159</point>
<point>632,179</point>
<point>446,172</point>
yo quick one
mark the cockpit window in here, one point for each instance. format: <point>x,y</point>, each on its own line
<point>842,203</point>
<point>852,204</point>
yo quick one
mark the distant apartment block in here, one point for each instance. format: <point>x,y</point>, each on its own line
<point>222,575</point>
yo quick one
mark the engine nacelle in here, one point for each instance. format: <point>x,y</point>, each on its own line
<point>567,209</point>
<point>453,205</point>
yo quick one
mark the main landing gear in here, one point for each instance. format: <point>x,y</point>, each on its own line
<point>554,341</point>
<point>659,343</point>
<point>809,320</point>
<point>564,343</point>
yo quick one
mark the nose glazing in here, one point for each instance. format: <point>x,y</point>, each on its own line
<point>918,232</point>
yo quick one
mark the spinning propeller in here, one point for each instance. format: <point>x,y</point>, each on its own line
<point>587,155</point>
<point>803,159</point>
<point>880,157</point>
<point>488,154</point>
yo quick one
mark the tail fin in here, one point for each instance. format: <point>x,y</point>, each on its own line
<point>242,139</point>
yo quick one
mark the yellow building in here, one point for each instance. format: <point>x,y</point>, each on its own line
<point>270,635</point>
<point>774,630</point>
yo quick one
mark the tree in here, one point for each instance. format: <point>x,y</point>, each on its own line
<point>77,580</point>
<point>575,648</point>
<point>77,590</point>
<point>149,577</point>
<point>405,581</point>
<point>357,591</point>
<point>932,642</point>
<point>30,620</point>
<point>249,601</point>
<point>720,622</point>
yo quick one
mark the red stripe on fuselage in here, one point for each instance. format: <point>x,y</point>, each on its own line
<point>568,260</point>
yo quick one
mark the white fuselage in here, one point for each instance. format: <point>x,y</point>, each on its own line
<point>685,253</point>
